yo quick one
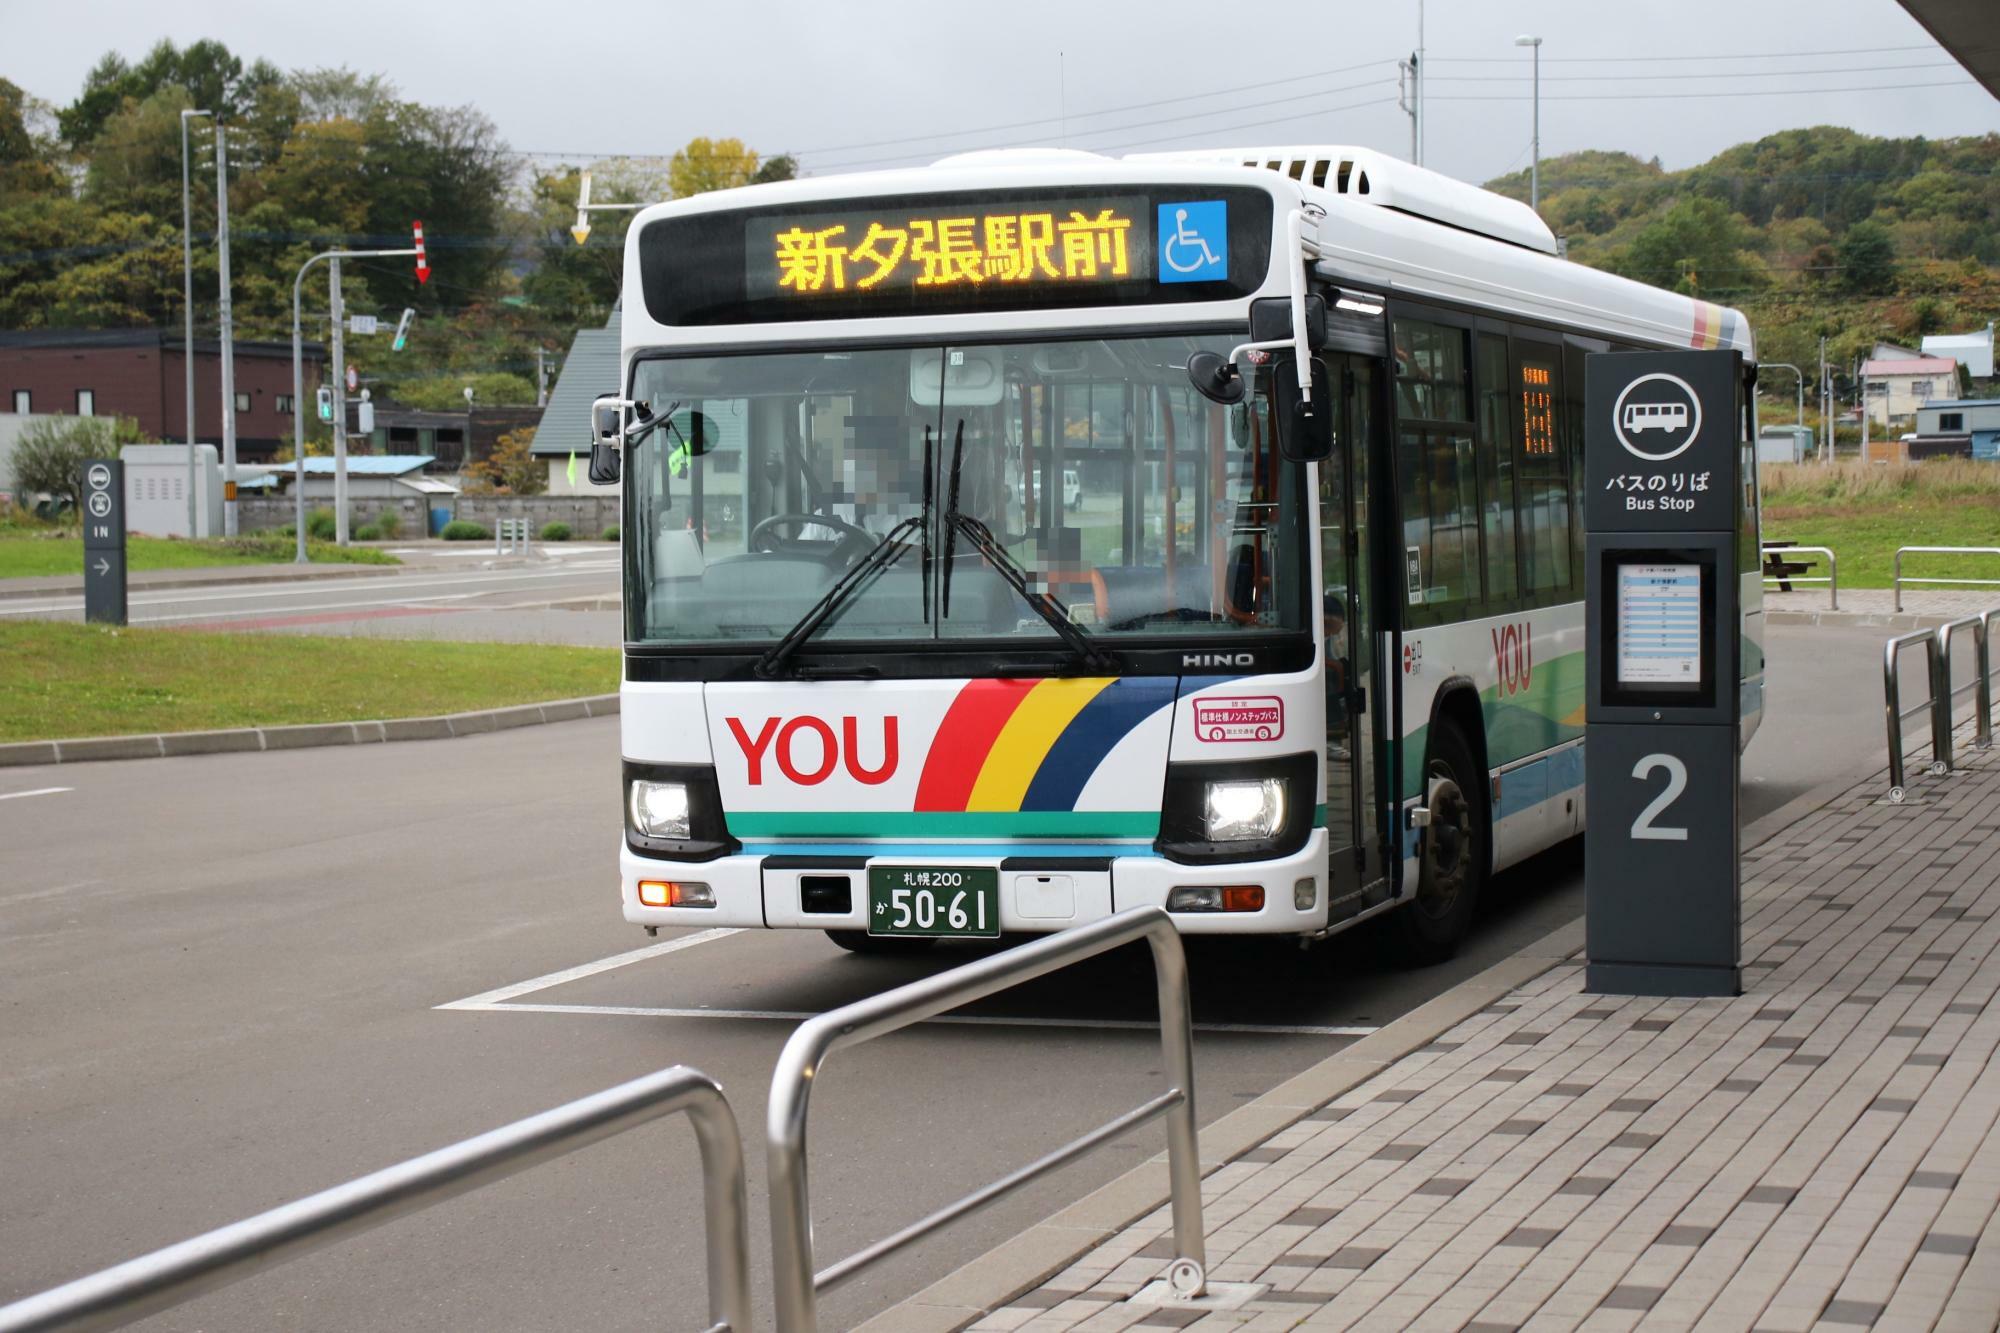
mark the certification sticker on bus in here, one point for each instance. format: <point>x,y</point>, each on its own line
<point>1260,718</point>
<point>934,901</point>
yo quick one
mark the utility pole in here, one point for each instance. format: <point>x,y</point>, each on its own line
<point>1535,169</point>
<point>1417,67</point>
<point>541,379</point>
<point>339,411</point>
<point>187,304</point>
<point>1406,72</point>
<point>228,335</point>
<point>1825,401</point>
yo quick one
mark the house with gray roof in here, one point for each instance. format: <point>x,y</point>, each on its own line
<point>589,372</point>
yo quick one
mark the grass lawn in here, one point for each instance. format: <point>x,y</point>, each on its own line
<point>63,680</point>
<point>26,552</point>
<point>1863,512</point>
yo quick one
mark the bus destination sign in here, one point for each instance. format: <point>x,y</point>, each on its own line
<point>1097,241</point>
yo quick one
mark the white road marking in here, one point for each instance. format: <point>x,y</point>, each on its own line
<point>306,589</point>
<point>489,999</point>
<point>57,891</point>
<point>961,1020</point>
<point>38,791</point>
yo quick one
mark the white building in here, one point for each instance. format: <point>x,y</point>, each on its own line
<point>1897,386</point>
<point>1974,351</point>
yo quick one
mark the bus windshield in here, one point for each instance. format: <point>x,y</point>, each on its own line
<point>1135,505</point>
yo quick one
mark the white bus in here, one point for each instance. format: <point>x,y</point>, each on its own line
<point>1277,657</point>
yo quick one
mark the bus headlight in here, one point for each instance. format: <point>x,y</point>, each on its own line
<point>660,810</point>
<point>1245,811</point>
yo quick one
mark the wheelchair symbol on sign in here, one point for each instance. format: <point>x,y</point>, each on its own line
<point>1185,240</point>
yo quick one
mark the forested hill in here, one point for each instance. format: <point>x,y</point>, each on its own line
<point>1811,232</point>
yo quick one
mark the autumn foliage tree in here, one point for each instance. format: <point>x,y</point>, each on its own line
<point>509,470</point>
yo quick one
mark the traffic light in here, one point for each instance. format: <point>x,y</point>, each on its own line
<point>403,328</point>
<point>325,402</point>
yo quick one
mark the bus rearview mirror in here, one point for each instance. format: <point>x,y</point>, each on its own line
<point>1215,379</point>
<point>605,463</point>
<point>607,422</point>
<point>1305,426</point>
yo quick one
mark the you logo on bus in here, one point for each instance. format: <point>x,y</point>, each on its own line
<point>1513,658</point>
<point>806,751</point>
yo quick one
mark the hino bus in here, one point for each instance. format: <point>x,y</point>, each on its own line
<point>990,565</point>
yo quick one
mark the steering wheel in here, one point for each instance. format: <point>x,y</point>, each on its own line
<point>761,538</point>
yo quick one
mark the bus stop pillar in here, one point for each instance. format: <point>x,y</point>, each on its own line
<point>1663,459</point>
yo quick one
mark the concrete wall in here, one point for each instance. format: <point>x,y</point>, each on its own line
<point>587,516</point>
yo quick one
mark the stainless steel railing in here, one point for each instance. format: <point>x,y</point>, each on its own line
<point>1831,578</point>
<point>1900,579</point>
<point>1892,702</point>
<point>512,536</point>
<point>796,1284</point>
<point>1947,694</point>
<point>165,1278</point>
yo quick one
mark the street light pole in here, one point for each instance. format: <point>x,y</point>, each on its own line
<point>187,305</point>
<point>228,334</point>
<point>1780,365</point>
<point>298,380</point>
<point>1535,169</point>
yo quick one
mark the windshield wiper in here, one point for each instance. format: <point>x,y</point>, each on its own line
<point>879,557</point>
<point>1089,655</point>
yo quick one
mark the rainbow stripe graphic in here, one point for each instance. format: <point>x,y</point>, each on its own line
<point>1031,745</point>
<point>1011,758</point>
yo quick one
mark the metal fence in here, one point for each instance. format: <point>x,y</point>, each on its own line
<point>1942,698</point>
<point>797,1285</point>
<point>1900,578</point>
<point>1831,578</point>
<point>165,1278</point>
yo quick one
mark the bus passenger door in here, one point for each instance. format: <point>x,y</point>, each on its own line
<point>1356,868</point>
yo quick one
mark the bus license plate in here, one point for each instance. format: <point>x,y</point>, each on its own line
<point>934,901</point>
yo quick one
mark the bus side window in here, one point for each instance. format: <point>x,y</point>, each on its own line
<point>1496,470</point>
<point>1546,540</point>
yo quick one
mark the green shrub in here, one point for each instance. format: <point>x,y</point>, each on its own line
<point>390,522</point>
<point>367,532</point>
<point>290,532</point>
<point>556,531</point>
<point>465,530</point>
<point>320,525</point>
<point>611,533</point>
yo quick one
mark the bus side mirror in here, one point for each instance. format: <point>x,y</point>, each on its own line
<point>1215,379</point>
<point>607,438</point>
<point>1305,428</point>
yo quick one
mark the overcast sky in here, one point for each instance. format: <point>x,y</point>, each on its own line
<point>885,82</point>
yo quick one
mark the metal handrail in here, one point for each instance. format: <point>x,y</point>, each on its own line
<point>1831,578</point>
<point>167,1277</point>
<point>1947,694</point>
<point>799,1066</point>
<point>1899,580</point>
<point>1892,700</point>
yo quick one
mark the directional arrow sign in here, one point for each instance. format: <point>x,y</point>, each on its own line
<point>103,565</point>
<point>423,261</point>
<point>581,231</point>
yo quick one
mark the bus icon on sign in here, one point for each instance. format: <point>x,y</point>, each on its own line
<point>1656,417</point>
<point>1261,718</point>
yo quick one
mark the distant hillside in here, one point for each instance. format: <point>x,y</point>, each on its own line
<point>1812,232</point>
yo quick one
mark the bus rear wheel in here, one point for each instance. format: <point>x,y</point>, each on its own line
<point>860,941</point>
<point>1452,856</point>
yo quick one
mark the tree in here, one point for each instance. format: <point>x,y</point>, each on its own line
<point>710,164</point>
<point>1867,259</point>
<point>446,393</point>
<point>49,456</point>
<point>1696,246</point>
<point>27,159</point>
<point>511,470</point>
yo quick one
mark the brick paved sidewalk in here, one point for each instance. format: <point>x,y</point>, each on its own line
<point>1821,1152</point>
<point>1874,605</point>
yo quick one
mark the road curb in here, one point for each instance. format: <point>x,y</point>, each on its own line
<point>1045,1249</point>
<point>236,740</point>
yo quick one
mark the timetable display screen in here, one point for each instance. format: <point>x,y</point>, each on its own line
<point>1659,624</point>
<point>958,252</point>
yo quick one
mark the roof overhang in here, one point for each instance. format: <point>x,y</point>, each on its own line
<point>1964,28</point>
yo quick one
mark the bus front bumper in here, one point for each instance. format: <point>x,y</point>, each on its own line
<point>1036,895</point>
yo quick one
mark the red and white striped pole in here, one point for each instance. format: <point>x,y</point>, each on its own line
<point>423,262</point>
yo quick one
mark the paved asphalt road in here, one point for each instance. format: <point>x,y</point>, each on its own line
<point>219,989</point>
<point>449,593</point>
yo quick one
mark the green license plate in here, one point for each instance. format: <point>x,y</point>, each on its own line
<point>934,901</point>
